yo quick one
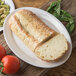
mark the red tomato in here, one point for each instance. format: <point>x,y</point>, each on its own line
<point>11,64</point>
<point>2,52</point>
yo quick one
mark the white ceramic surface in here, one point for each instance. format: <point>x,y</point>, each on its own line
<point>12,8</point>
<point>24,53</point>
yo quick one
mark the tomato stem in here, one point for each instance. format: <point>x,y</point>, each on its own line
<point>1,67</point>
<point>1,64</point>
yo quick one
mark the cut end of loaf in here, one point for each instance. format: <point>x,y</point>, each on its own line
<point>53,49</point>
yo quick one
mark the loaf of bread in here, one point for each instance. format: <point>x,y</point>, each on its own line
<point>29,28</point>
<point>42,40</point>
<point>53,49</point>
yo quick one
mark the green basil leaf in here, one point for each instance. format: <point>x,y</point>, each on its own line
<point>71,28</point>
<point>62,15</point>
<point>54,7</point>
<point>65,14</point>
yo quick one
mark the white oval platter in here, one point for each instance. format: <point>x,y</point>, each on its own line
<point>24,53</point>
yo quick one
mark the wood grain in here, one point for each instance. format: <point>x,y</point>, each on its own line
<point>29,3</point>
<point>29,70</point>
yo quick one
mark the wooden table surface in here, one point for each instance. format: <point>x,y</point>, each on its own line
<point>67,69</point>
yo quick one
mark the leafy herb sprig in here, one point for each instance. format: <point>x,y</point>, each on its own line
<point>62,15</point>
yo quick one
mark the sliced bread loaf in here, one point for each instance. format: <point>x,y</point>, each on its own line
<point>29,28</point>
<point>53,49</point>
<point>45,42</point>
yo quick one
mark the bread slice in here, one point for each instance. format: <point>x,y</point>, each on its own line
<point>53,49</point>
